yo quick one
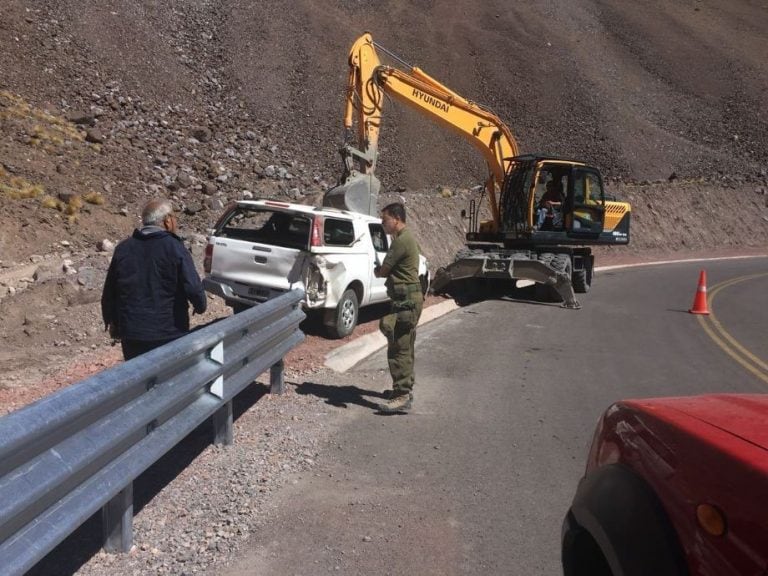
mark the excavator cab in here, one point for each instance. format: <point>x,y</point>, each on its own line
<point>551,200</point>
<point>586,212</point>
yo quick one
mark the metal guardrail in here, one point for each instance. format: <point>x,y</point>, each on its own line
<point>78,450</point>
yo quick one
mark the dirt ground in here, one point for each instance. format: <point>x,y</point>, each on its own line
<point>104,105</point>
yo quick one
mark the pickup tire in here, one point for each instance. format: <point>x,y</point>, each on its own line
<point>237,307</point>
<point>617,526</point>
<point>345,316</point>
<point>425,282</point>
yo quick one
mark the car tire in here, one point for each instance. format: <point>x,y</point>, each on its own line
<point>617,519</point>
<point>424,281</point>
<point>345,316</point>
<point>580,555</point>
<point>238,307</point>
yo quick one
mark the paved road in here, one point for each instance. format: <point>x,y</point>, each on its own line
<point>478,478</point>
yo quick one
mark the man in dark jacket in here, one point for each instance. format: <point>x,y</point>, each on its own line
<point>150,280</point>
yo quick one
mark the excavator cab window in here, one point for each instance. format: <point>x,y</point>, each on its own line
<point>514,199</point>
<point>550,198</point>
<point>587,210</point>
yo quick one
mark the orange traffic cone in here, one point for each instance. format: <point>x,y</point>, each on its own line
<point>700,301</point>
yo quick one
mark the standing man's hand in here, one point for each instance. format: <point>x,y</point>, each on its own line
<point>113,332</point>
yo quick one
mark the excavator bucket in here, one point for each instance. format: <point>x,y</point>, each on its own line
<point>486,266</point>
<point>358,193</point>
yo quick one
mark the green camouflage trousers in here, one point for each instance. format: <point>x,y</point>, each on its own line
<point>399,326</point>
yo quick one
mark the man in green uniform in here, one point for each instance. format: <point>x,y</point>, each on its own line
<point>401,269</point>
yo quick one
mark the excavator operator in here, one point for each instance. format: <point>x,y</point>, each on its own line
<point>549,213</point>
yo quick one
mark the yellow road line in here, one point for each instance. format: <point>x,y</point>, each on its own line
<point>724,340</point>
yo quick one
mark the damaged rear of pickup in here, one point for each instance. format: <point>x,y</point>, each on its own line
<point>260,249</point>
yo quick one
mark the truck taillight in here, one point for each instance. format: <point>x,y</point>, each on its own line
<point>317,231</point>
<point>208,258</point>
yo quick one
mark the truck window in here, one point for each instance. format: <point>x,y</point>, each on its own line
<point>378,237</point>
<point>338,232</point>
<point>267,227</point>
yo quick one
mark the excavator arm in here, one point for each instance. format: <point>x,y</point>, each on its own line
<point>358,187</point>
<point>368,82</point>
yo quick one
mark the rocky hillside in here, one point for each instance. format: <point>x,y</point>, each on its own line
<point>106,104</point>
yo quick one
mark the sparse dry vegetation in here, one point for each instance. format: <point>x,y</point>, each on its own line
<point>51,134</point>
<point>93,198</point>
<point>18,188</point>
<point>50,202</point>
<point>48,132</point>
<point>71,208</point>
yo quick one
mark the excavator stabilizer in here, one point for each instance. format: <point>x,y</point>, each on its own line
<point>358,193</point>
<point>492,266</point>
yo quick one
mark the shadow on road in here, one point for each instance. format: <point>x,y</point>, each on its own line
<point>341,396</point>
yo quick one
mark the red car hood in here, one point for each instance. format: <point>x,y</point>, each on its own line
<point>742,415</point>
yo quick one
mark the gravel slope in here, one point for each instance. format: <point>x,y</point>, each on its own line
<point>210,101</point>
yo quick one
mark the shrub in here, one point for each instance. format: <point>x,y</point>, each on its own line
<point>94,198</point>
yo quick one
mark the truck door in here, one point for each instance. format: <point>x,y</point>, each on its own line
<point>260,250</point>
<point>585,211</point>
<point>380,246</point>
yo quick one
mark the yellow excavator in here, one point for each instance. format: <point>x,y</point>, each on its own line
<point>545,211</point>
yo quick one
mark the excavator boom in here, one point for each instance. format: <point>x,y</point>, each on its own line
<point>368,82</point>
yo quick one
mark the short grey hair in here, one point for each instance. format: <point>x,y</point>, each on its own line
<point>155,211</point>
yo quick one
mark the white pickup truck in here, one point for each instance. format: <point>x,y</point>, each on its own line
<point>260,249</point>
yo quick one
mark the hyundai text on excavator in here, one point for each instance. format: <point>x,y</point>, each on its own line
<point>523,240</point>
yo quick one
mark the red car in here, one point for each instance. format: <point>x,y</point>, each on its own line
<point>673,486</point>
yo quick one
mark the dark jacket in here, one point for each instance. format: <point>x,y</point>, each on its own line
<point>150,279</point>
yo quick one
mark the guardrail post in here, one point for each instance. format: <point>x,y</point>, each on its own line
<point>222,425</point>
<point>276,380</point>
<point>117,521</point>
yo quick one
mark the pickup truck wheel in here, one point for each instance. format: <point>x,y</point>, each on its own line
<point>238,307</point>
<point>424,281</point>
<point>581,556</point>
<point>617,526</point>
<point>345,318</point>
